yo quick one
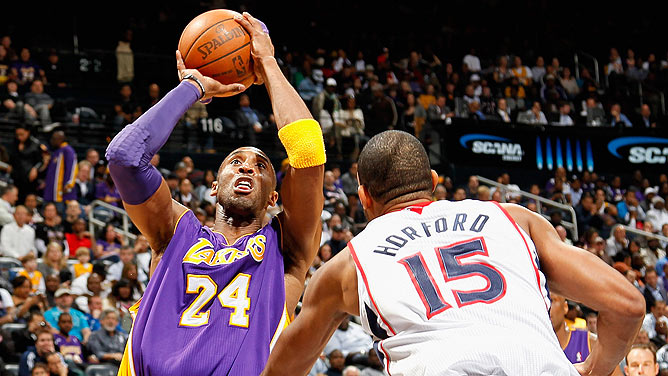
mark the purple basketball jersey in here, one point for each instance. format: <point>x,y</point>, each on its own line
<point>577,348</point>
<point>211,307</point>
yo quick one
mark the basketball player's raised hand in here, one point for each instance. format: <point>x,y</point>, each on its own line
<point>261,46</point>
<point>212,88</point>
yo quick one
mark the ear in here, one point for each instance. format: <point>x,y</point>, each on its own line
<point>214,189</point>
<point>434,180</point>
<point>365,197</point>
<point>273,198</point>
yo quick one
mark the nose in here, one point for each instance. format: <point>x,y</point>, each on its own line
<point>246,168</point>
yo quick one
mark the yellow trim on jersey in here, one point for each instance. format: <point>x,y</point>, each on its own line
<point>127,367</point>
<point>58,179</point>
<point>179,220</point>
<point>285,321</point>
<point>568,340</point>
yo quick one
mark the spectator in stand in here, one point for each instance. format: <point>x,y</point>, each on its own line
<point>349,127</point>
<point>349,338</point>
<point>502,110</point>
<point>26,337</point>
<point>94,287</point>
<point>50,230</point>
<point>522,72</point>
<point>66,344</point>
<point>534,116</point>
<point>8,197</point>
<point>382,114</point>
<point>515,94</point>
<point>628,210</point>
<point>126,108</point>
<point>85,186</point>
<point>569,83</point>
<point>93,157</point>
<point>658,215</point>
<point>615,190</point>
<point>585,212</point>
<point>336,363</point>
<point>185,195</point>
<point>641,360</point>
<point>108,343</point>
<point>594,113</point>
<point>106,191</point>
<point>564,115</point>
<point>61,172</point>
<point>332,193</point>
<point>655,322</point>
<point>28,157</point>
<point>538,70</point>
<point>487,102</point>
<point>79,238</point>
<point>14,105</point>
<point>25,70</point>
<point>4,65</point>
<point>349,180</point>
<point>617,118</point>
<point>56,74</point>
<point>108,243</point>
<point>72,213</point>
<point>472,61</point>
<point>311,86</point>
<point>29,270</point>
<point>152,97</point>
<point>250,122</point>
<point>24,302</point>
<point>64,300</point>
<point>52,283</point>
<point>646,119</point>
<point>127,256</point>
<point>41,102</point>
<point>44,346</point>
<point>413,115</point>
<point>617,241</point>
<point>17,239</point>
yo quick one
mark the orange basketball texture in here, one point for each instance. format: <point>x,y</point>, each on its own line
<point>219,47</point>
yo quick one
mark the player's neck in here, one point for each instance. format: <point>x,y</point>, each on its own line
<point>562,334</point>
<point>392,207</point>
<point>233,226</point>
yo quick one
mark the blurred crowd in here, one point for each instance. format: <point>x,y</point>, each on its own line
<point>66,291</point>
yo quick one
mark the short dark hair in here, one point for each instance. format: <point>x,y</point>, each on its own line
<point>394,165</point>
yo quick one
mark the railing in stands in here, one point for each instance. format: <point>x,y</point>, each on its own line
<point>569,225</point>
<point>576,60</point>
<point>99,222</point>
<point>646,234</point>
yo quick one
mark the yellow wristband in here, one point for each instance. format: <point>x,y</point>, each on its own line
<point>303,142</point>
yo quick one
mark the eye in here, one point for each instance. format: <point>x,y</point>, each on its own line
<point>262,165</point>
<point>235,161</point>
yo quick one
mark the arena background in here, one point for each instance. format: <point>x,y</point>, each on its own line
<point>86,34</point>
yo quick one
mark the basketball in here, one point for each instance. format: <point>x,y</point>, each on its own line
<point>219,47</point>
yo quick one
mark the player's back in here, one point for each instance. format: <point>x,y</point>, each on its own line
<point>210,307</point>
<point>455,288</point>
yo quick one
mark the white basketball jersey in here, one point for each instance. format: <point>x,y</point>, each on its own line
<point>455,288</point>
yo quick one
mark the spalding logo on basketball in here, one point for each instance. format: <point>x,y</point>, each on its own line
<point>219,47</point>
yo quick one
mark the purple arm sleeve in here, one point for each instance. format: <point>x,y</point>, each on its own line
<point>130,152</point>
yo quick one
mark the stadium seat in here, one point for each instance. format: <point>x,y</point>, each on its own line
<point>13,327</point>
<point>12,369</point>
<point>101,370</point>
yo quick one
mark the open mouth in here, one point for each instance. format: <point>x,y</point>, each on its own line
<point>243,185</point>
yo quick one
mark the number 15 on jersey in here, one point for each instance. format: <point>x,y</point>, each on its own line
<point>453,268</point>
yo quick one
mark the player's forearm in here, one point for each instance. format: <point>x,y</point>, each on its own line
<point>288,106</point>
<point>615,337</point>
<point>130,152</point>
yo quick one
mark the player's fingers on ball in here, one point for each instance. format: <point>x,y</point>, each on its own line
<point>244,22</point>
<point>254,22</point>
<point>232,88</point>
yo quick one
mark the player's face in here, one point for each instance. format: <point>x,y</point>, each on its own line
<point>246,181</point>
<point>558,311</point>
<point>641,362</point>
